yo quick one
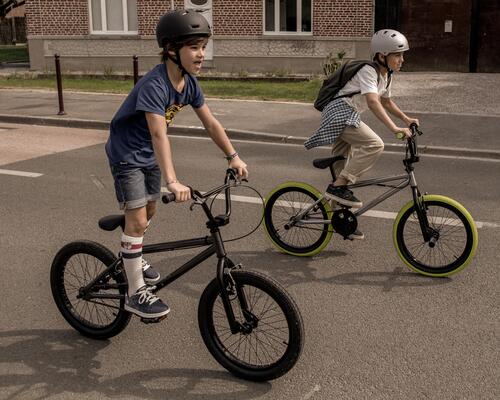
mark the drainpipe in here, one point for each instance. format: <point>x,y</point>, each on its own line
<point>474,36</point>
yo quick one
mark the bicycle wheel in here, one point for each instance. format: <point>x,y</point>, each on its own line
<point>273,335</point>
<point>297,237</point>
<point>456,237</point>
<point>74,267</point>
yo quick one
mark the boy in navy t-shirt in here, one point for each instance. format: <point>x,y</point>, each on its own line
<point>139,151</point>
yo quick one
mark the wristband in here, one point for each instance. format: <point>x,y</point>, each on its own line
<point>174,181</point>
<point>231,156</point>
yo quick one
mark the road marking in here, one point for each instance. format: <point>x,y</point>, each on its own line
<point>370,213</point>
<point>20,173</point>
<point>97,182</point>
<point>315,389</point>
<point>424,155</point>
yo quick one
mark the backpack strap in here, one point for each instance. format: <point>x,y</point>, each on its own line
<point>373,64</point>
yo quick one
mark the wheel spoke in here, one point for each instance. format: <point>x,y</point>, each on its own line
<point>452,242</point>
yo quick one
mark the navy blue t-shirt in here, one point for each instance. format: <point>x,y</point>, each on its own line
<point>129,142</point>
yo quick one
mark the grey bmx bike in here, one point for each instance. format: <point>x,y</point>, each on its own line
<point>433,234</point>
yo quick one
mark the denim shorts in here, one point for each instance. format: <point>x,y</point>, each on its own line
<point>135,187</point>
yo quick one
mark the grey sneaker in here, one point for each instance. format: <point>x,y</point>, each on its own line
<point>145,304</point>
<point>356,235</point>
<point>150,275</point>
<point>343,196</point>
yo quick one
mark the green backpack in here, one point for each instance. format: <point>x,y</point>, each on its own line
<point>336,81</point>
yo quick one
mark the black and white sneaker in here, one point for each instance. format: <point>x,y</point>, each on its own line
<point>145,304</point>
<point>356,235</point>
<point>150,275</point>
<point>343,196</point>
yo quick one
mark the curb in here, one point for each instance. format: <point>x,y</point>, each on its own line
<point>240,135</point>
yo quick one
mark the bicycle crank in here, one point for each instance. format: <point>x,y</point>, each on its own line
<point>153,320</point>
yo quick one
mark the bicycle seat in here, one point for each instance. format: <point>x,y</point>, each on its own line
<point>111,222</point>
<point>323,163</point>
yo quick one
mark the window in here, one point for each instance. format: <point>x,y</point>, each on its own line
<point>287,16</point>
<point>113,16</point>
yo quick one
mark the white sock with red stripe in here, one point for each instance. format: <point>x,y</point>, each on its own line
<point>131,249</point>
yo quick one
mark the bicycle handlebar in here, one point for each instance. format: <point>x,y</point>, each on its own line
<point>414,129</point>
<point>411,144</point>
<point>231,175</point>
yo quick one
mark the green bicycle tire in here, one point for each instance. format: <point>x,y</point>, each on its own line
<point>441,223</point>
<point>297,190</point>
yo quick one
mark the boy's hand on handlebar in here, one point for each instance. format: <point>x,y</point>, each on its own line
<point>402,133</point>
<point>238,164</point>
<point>182,193</point>
<point>410,121</point>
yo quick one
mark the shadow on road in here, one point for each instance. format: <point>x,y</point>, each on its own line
<point>291,270</point>
<point>45,363</point>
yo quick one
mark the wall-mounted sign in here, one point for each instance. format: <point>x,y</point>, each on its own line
<point>448,25</point>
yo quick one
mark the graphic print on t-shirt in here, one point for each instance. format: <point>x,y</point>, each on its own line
<point>171,111</point>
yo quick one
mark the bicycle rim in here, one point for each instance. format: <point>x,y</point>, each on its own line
<point>295,237</point>
<point>456,243</point>
<point>74,267</point>
<point>267,350</point>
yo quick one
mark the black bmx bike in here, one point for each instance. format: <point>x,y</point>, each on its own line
<point>247,320</point>
<point>434,235</point>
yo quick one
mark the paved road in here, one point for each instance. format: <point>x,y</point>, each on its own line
<point>374,330</point>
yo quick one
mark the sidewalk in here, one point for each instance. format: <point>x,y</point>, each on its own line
<point>459,113</point>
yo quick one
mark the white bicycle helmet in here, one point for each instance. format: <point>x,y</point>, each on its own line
<point>388,41</point>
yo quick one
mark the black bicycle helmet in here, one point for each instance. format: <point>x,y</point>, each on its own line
<point>177,25</point>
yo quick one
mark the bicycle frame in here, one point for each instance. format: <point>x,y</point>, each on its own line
<point>214,244</point>
<point>405,180</point>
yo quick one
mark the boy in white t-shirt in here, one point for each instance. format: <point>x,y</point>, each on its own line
<point>359,143</point>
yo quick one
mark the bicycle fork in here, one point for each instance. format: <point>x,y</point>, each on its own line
<point>228,287</point>
<point>429,234</point>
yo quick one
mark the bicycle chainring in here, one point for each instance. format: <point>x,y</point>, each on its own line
<point>344,222</point>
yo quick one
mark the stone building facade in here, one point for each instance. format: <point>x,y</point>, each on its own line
<point>288,36</point>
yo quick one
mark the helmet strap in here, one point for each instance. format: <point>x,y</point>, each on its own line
<point>176,60</point>
<point>384,63</point>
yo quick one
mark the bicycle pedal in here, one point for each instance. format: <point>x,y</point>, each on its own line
<point>153,320</point>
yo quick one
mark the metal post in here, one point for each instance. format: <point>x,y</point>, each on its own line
<point>14,35</point>
<point>136,69</point>
<point>59,85</point>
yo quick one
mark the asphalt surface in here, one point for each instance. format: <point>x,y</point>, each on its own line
<point>373,329</point>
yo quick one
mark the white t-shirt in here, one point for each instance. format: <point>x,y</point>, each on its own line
<point>366,82</point>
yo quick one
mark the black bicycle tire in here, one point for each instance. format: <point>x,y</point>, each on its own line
<point>59,292</point>
<point>287,306</point>
<point>271,230</point>
<point>412,260</point>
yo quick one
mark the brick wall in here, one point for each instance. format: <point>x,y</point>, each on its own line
<point>343,18</point>
<point>330,17</point>
<point>237,17</point>
<point>57,17</point>
<point>149,11</point>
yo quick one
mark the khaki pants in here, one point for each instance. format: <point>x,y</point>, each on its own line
<point>361,146</point>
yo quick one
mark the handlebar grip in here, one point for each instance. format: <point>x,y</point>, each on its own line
<point>168,198</point>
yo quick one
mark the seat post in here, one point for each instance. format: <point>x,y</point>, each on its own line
<point>333,173</point>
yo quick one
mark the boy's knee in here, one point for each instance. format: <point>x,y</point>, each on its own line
<point>137,227</point>
<point>378,146</point>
